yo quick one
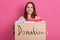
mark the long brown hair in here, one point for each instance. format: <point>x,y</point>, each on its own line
<point>34,11</point>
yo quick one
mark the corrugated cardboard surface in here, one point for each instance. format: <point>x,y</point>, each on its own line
<point>30,31</point>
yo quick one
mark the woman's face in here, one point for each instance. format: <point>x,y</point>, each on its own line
<point>29,9</point>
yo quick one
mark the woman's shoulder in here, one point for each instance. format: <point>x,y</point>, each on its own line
<point>37,17</point>
<point>21,18</point>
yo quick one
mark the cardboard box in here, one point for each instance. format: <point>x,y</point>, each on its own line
<point>30,31</point>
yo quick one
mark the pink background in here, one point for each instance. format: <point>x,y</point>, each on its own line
<point>11,10</point>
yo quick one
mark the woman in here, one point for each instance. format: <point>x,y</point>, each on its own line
<point>29,13</point>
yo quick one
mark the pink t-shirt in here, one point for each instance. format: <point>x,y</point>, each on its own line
<point>37,18</point>
<point>22,19</point>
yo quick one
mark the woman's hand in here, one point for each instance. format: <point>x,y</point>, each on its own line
<point>46,33</point>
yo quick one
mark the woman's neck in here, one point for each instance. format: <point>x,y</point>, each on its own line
<point>29,16</point>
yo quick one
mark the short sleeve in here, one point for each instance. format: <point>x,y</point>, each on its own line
<point>37,17</point>
<point>21,18</point>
